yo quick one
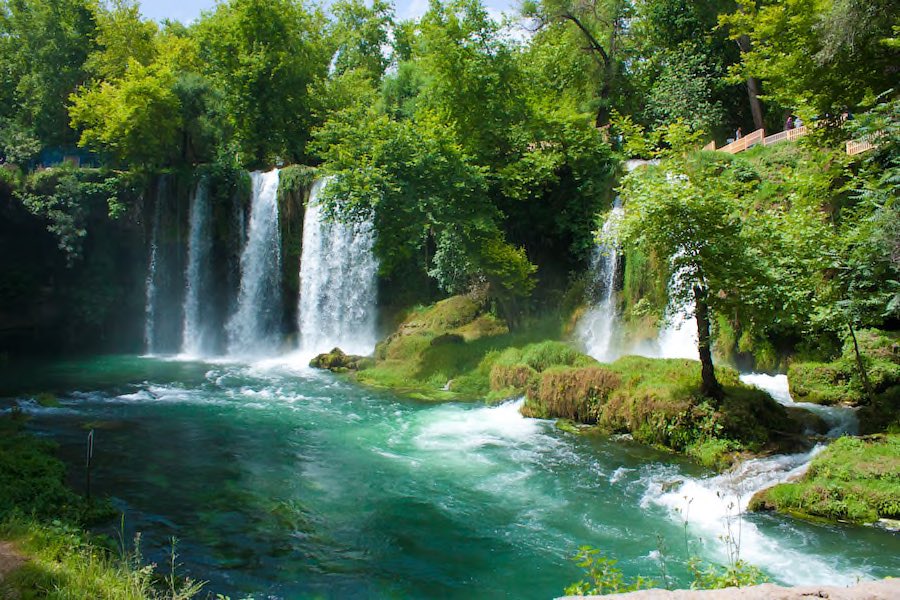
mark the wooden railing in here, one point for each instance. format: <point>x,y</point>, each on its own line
<point>741,144</point>
<point>789,135</point>
<point>858,146</point>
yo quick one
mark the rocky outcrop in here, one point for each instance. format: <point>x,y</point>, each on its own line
<point>888,589</point>
<point>337,361</point>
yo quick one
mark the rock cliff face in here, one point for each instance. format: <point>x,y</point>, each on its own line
<point>888,589</point>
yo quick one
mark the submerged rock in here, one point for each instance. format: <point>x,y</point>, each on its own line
<point>337,361</point>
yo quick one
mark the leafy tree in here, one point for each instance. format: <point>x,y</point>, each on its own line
<point>817,56</point>
<point>601,25</point>
<point>43,48</point>
<point>136,117</point>
<point>122,36</point>
<point>685,212</point>
<point>361,33</point>
<point>264,55</point>
<point>470,77</point>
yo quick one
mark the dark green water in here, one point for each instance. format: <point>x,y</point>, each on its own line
<point>288,483</point>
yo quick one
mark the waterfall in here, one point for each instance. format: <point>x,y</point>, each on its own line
<point>678,338</point>
<point>596,329</point>
<point>337,282</point>
<point>152,287</point>
<point>196,329</point>
<point>254,327</point>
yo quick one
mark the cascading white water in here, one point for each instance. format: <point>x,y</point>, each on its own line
<point>841,420</point>
<point>253,329</point>
<point>152,289</point>
<point>338,282</point>
<point>678,338</point>
<point>597,328</point>
<point>714,507</point>
<point>196,330</point>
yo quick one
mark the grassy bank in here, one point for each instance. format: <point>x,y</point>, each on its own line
<point>854,479</point>
<point>839,381</point>
<point>455,350</point>
<point>658,402</point>
<point>44,520</point>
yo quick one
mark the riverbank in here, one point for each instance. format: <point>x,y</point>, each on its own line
<point>854,480</point>
<point>46,550</point>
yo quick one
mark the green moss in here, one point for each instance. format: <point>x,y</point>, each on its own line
<point>46,400</point>
<point>659,403</point>
<point>822,383</point>
<point>839,381</point>
<point>446,351</point>
<point>854,479</point>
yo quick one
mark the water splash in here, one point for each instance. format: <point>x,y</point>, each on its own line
<point>254,328</point>
<point>338,282</point>
<point>597,328</point>
<point>196,330</point>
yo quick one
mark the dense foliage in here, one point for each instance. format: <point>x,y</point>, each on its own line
<point>484,151</point>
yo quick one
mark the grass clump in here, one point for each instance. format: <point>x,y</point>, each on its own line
<point>839,381</point>
<point>43,518</point>
<point>658,402</point>
<point>65,563</point>
<point>854,479</point>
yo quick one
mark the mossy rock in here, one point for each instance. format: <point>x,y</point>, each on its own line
<point>337,361</point>
<point>47,400</point>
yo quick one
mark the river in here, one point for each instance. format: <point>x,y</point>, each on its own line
<point>284,482</point>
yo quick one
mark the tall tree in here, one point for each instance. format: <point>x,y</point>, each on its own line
<point>601,25</point>
<point>43,48</point>
<point>264,55</point>
<point>685,212</point>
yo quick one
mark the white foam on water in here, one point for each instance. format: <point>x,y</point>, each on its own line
<point>710,504</point>
<point>841,420</point>
<point>450,428</point>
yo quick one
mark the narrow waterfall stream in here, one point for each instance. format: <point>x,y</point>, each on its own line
<point>338,282</point>
<point>678,337</point>
<point>597,328</point>
<point>196,329</point>
<point>254,328</point>
<point>152,294</point>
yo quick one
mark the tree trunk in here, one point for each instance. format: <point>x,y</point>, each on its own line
<point>709,385</point>
<point>863,374</point>
<point>743,43</point>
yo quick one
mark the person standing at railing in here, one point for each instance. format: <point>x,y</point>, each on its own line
<point>798,122</point>
<point>789,123</point>
<point>738,134</point>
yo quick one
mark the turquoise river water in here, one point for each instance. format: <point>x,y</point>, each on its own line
<point>283,482</point>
